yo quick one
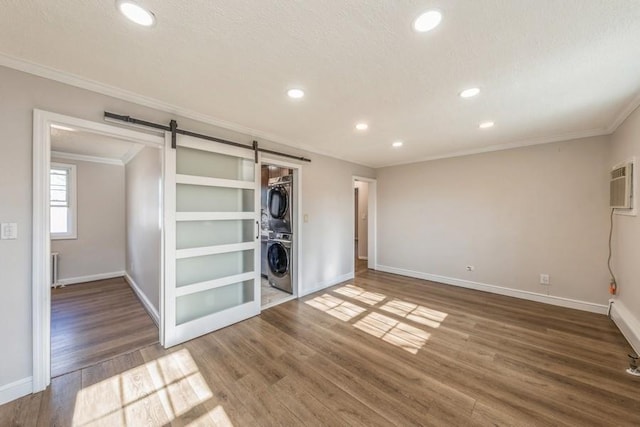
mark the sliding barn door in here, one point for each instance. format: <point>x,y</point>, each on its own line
<point>212,252</point>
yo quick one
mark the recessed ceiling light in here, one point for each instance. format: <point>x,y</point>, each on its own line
<point>486,125</point>
<point>468,93</point>
<point>362,126</point>
<point>136,13</point>
<point>295,93</point>
<point>427,21</point>
<point>397,144</point>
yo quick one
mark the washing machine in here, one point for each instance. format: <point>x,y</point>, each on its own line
<point>279,202</point>
<point>279,261</point>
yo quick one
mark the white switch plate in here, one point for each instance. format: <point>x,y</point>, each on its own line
<point>544,279</point>
<point>9,231</point>
<point>305,218</point>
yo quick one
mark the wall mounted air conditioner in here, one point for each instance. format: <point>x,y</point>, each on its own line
<point>621,186</point>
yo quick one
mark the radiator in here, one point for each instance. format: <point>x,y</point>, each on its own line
<point>54,269</point>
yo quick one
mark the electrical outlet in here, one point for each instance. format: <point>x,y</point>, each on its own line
<point>544,279</point>
<point>470,268</point>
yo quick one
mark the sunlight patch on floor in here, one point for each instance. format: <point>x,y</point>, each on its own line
<point>166,387</point>
<point>417,313</point>
<point>351,291</point>
<point>216,417</point>
<point>336,307</point>
<point>393,331</point>
<point>379,325</point>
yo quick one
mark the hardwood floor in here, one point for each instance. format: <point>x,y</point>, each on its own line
<point>379,350</point>
<point>96,321</point>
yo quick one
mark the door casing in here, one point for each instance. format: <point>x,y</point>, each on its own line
<point>41,243</point>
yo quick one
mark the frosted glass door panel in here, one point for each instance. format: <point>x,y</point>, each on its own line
<point>212,247</point>
<point>212,267</point>
<point>199,198</point>
<point>197,234</point>
<point>190,161</point>
<point>200,304</point>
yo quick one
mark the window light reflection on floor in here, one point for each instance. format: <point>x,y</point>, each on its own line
<point>370,298</point>
<point>336,307</point>
<point>417,313</point>
<point>217,416</point>
<point>381,325</point>
<point>394,332</point>
<point>168,387</point>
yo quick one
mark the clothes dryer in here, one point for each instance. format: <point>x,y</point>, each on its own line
<point>279,203</point>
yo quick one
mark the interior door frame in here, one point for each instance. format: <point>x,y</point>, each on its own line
<point>372,225</point>
<point>297,223</point>
<point>41,243</point>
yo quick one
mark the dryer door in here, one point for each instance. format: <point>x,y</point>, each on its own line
<point>278,202</point>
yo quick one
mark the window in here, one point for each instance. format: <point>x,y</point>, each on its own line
<point>62,190</point>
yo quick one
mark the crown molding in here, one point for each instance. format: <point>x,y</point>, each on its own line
<point>126,95</point>
<point>508,146</point>
<point>624,114</point>
<point>85,158</point>
<point>129,96</point>
<point>133,151</point>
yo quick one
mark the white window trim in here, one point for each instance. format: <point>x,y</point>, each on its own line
<point>72,218</point>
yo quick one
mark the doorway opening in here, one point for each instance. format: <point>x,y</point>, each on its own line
<point>279,232</point>
<point>364,224</point>
<point>97,243</point>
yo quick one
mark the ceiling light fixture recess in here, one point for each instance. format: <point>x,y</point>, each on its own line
<point>295,93</point>
<point>471,92</point>
<point>397,144</point>
<point>136,13</point>
<point>427,21</point>
<point>362,126</point>
<point>486,125</point>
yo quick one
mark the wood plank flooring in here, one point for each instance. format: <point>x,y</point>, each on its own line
<point>96,321</point>
<point>379,350</point>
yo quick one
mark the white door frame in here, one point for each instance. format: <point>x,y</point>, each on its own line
<point>372,244</point>
<point>41,244</point>
<point>297,222</point>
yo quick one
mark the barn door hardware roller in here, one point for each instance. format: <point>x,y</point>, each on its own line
<point>173,128</point>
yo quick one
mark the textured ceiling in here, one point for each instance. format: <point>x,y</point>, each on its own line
<point>548,69</point>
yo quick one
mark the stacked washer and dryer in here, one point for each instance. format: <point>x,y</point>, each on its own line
<point>278,253</point>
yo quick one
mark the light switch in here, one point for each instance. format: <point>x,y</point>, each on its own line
<point>305,218</point>
<point>9,231</point>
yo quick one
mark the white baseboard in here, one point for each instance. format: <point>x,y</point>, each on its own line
<point>143,299</point>
<point>628,324</point>
<point>90,278</point>
<point>516,293</point>
<point>363,257</point>
<point>15,390</point>
<point>327,283</point>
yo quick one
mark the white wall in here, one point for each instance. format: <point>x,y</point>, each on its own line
<point>327,199</point>
<point>99,248</point>
<point>143,176</point>
<point>363,218</point>
<point>511,214</point>
<point>327,188</point>
<point>626,248</point>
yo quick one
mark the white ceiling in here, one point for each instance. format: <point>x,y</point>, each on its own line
<point>88,146</point>
<point>548,69</point>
